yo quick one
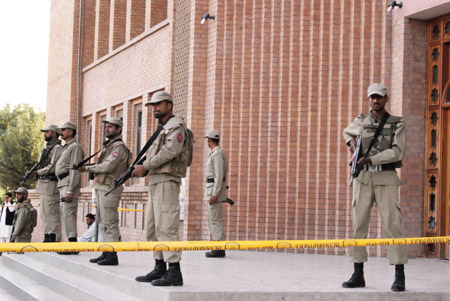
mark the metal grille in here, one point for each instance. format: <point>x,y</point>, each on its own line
<point>181,56</point>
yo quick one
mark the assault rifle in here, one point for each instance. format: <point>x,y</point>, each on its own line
<point>356,168</point>
<point>34,167</point>
<point>125,176</point>
<point>139,160</point>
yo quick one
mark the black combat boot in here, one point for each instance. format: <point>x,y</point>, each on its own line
<point>45,238</point>
<point>357,279</point>
<point>215,253</point>
<point>111,259</point>
<point>399,281</point>
<point>172,277</point>
<point>158,271</point>
<point>97,259</point>
<point>51,237</point>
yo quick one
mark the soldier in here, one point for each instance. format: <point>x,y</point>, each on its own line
<point>47,185</point>
<point>166,167</point>
<point>69,180</point>
<point>215,189</point>
<point>113,161</point>
<point>22,224</point>
<point>378,182</point>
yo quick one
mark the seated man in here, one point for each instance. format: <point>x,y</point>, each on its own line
<point>89,235</point>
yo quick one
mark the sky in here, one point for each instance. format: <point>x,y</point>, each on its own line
<point>24,31</point>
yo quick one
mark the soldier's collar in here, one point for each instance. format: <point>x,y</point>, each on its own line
<point>375,117</point>
<point>109,141</point>
<point>71,141</point>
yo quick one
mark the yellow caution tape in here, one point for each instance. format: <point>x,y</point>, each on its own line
<point>126,209</point>
<point>211,245</point>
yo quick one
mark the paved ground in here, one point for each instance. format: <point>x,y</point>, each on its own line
<point>248,272</point>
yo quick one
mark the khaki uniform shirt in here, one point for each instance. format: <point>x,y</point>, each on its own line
<point>163,154</point>
<point>71,155</point>
<point>216,168</point>
<point>112,163</point>
<point>46,186</point>
<point>22,223</point>
<point>390,155</point>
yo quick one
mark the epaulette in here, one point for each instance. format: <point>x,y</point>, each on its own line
<point>362,116</point>
<point>394,119</point>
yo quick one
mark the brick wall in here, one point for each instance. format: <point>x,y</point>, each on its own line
<point>279,80</point>
<point>60,61</point>
<point>409,84</point>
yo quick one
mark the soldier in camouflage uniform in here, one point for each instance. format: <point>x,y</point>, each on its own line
<point>69,180</point>
<point>378,182</point>
<point>22,221</point>
<point>47,185</point>
<point>166,168</point>
<point>113,161</point>
<point>215,190</point>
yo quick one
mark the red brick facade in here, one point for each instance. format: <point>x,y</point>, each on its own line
<point>278,79</point>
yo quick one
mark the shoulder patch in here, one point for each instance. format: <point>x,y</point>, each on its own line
<point>180,137</point>
<point>115,154</point>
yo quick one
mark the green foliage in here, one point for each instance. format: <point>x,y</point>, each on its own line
<point>20,143</point>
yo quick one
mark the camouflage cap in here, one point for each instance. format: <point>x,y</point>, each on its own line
<point>68,125</point>
<point>160,96</point>
<point>213,134</point>
<point>52,127</point>
<point>21,190</point>
<point>114,120</point>
<point>378,89</point>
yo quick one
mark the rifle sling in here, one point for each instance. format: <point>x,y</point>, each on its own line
<point>375,136</point>
<point>150,142</point>
<point>91,156</point>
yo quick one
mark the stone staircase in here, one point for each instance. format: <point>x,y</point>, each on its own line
<point>48,276</point>
<point>242,275</point>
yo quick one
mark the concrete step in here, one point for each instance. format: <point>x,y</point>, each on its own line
<point>242,275</point>
<point>18,286</point>
<point>5,296</point>
<point>63,280</point>
<point>119,277</point>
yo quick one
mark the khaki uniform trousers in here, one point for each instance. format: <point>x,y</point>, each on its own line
<point>215,219</point>
<point>163,217</point>
<point>50,214</point>
<point>69,212</point>
<point>107,214</point>
<point>386,198</point>
<point>26,238</point>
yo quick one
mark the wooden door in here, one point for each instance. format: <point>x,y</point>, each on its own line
<point>445,187</point>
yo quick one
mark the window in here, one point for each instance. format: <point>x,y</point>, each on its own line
<point>138,127</point>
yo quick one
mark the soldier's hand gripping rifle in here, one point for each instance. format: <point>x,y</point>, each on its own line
<point>34,167</point>
<point>139,161</point>
<point>356,168</point>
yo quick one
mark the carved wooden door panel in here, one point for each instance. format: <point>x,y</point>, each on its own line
<point>437,166</point>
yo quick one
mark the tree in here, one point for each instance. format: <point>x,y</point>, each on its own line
<point>20,143</point>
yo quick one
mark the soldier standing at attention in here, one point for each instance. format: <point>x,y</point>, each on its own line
<point>166,168</point>
<point>378,182</point>
<point>22,222</point>
<point>112,163</point>
<point>215,189</point>
<point>47,185</point>
<point>69,180</point>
